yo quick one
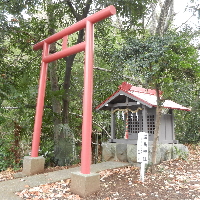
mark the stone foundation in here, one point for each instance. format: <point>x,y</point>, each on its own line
<point>128,152</point>
<point>84,184</point>
<point>33,165</point>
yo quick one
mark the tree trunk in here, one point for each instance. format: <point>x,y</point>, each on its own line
<point>63,147</point>
<point>67,147</point>
<point>161,28</point>
<point>57,129</point>
<point>63,137</point>
<point>158,23</point>
<point>56,105</point>
<point>164,16</point>
<point>66,85</point>
<point>70,60</point>
<point>156,131</point>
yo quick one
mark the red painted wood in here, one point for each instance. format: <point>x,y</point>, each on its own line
<point>102,14</point>
<point>65,52</point>
<point>40,104</point>
<point>87,100</point>
<point>88,46</point>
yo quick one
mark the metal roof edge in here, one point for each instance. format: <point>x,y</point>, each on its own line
<point>125,89</point>
<point>106,100</point>
<point>139,99</point>
<point>184,108</point>
<point>121,91</point>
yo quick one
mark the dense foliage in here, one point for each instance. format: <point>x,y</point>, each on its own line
<point>164,61</point>
<point>123,52</point>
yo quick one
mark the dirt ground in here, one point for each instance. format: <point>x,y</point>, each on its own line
<point>173,180</point>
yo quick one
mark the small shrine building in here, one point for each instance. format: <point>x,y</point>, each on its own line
<point>138,106</point>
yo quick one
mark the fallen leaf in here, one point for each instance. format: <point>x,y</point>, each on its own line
<point>26,186</point>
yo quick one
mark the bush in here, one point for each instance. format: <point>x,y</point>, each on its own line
<point>188,127</point>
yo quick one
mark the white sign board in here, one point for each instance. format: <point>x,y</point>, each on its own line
<point>142,147</point>
<point>142,152</point>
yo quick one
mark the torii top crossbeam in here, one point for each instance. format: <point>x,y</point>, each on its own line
<point>103,14</point>
<point>86,46</point>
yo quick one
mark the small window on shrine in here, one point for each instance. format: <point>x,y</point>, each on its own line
<point>151,123</point>
<point>133,124</point>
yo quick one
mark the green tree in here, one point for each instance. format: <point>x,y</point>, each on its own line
<point>187,124</point>
<point>46,18</point>
<point>163,61</point>
<point>78,10</point>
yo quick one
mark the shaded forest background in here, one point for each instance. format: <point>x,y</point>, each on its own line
<point>139,45</point>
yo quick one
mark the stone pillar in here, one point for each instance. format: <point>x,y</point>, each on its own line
<point>84,184</point>
<point>33,165</point>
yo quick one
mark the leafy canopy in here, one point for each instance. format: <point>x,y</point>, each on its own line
<point>161,60</point>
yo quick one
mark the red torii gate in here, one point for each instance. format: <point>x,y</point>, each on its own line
<point>88,47</point>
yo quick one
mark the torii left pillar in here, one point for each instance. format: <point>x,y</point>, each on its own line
<point>83,182</point>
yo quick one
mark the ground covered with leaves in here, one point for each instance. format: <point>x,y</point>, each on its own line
<point>174,179</point>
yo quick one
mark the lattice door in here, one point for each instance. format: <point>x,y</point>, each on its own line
<point>133,124</point>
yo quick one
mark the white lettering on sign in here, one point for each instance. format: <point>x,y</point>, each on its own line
<point>142,152</point>
<point>142,147</point>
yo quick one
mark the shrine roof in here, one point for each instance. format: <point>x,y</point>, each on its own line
<point>139,95</point>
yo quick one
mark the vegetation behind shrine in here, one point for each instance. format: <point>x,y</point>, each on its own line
<point>124,49</point>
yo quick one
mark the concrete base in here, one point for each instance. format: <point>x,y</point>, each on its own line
<point>128,152</point>
<point>33,165</point>
<point>84,184</point>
